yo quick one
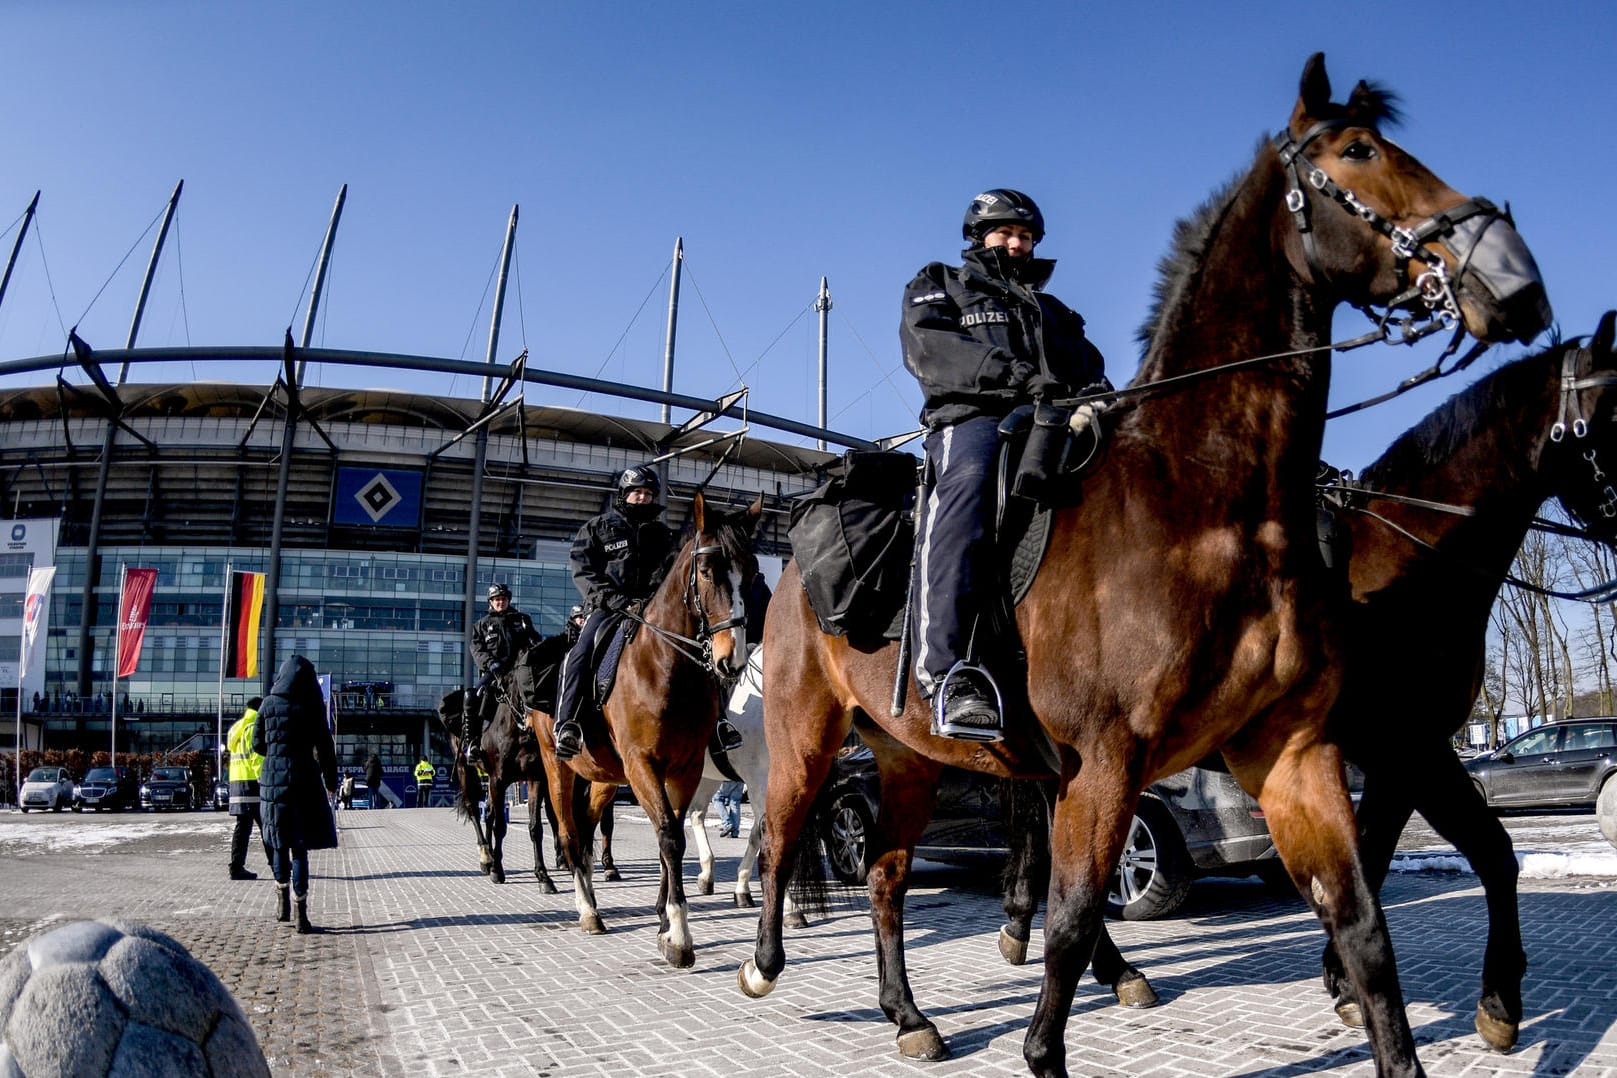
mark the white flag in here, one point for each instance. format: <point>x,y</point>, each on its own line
<point>33,612</point>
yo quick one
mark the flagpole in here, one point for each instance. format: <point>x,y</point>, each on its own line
<point>224,622</point>
<point>117,655</point>
<point>17,786</point>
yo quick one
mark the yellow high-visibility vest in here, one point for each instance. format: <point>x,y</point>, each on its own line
<point>245,764</point>
<point>424,772</point>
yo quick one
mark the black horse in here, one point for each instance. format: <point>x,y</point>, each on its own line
<point>508,754</point>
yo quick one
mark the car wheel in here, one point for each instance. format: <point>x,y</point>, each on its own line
<point>1482,792</point>
<point>1606,809</point>
<point>24,809</point>
<point>57,806</point>
<point>846,829</point>
<point>1154,871</point>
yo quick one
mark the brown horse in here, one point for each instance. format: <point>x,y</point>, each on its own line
<point>1435,524</point>
<point>663,709</point>
<point>1183,606</point>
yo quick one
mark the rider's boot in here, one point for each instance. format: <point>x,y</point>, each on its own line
<point>472,732</point>
<point>967,709</point>
<point>569,738</point>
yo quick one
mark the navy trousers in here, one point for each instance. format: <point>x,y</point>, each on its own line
<point>955,575</point>
<point>575,672</point>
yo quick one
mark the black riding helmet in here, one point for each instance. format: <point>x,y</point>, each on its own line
<point>642,475</point>
<point>1001,206</point>
<point>498,591</point>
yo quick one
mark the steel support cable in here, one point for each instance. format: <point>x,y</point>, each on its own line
<point>714,323</point>
<point>150,225</point>
<point>887,376</point>
<point>619,343</point>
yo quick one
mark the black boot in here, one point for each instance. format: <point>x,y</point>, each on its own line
<point>304,927</point>
<point>283,903</point>
<point>569,739</point>
<point>239,873</point>
<point>967,710</point>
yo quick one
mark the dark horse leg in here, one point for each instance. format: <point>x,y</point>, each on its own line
<point>609,867</point>
<point>494,818</point>
<point>1430,778</point>
<point>471,792</point>
<point>1027,875</point>
<point>539,802</point>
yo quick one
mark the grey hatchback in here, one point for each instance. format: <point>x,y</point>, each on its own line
<point>1559,764</point>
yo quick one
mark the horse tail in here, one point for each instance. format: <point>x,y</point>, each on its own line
<point>806,880</point>
<point>471,787</point>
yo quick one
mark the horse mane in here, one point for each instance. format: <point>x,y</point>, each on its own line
<point>1178,269</point>
<point>1436,438</point>
<point>729,530</point>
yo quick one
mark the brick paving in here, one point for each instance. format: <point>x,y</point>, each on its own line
<point>429,969</point>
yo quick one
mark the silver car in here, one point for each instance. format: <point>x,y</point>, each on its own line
<point>47,788</point>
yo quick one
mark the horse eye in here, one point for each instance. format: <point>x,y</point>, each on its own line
<point>1359,150</point>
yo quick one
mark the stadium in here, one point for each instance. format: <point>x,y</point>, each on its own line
<point>378,517</point>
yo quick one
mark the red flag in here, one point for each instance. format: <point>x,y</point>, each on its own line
<point>134,607</point>
<point>245,605</point>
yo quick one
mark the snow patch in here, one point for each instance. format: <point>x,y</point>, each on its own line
<point>1576,860</point>
<point>46,838</point>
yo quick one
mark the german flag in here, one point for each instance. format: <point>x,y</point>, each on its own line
<point>241,624</point>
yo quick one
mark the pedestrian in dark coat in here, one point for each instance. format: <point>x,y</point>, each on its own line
<point>373,779</point>
<point>298,780</point>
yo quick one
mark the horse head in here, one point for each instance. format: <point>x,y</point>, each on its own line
<point>1407,239</point>
<point>718,564</point>
<point>1585,435</point>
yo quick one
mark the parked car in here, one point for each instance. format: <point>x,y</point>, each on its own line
<point>1198,822</point>
<point>1555,765</point>
<point>47,788</point>
<point>166,788</point>
<point>111,788</point>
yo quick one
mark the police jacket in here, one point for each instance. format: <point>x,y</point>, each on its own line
<point>424,773</point>
<point>245,764</point>
<point>982,339</point>
<point>300,762</point>
<point>617,561</point>
<point>496,638</point>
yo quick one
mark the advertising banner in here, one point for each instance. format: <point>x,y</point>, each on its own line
<point>134,607</point>
<point>33,611</point>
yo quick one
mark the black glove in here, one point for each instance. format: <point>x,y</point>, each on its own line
<point>1020,371</point>
<point>496,667</point>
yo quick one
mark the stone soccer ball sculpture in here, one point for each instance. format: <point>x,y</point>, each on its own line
<point>115,998</point>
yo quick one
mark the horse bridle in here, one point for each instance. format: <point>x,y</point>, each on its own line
<point>698,648</point>
<point>1345,493</point>
<point>1432,288</point>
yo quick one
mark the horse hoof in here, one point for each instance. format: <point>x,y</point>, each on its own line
<point>591,924</point>
<point>497,875</point>
<point>795,919</point>
<point>484,867</point>
<point>679,957</point>
<point>612,874</point>
<point>704,887</point>
<point>923,1043</point>
<point>1499,1034</point>
<point>1012,949</point>
<point>1134,991</point>
<point>744,900</point>
<point>549,885</point>
<point>753,985</point>
<point>1353,1017</point>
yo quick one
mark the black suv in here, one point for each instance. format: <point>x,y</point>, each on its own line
<point>111,788</point>
<point>1556,765</point>
<point>1198,822</point>
<point>166,788</point>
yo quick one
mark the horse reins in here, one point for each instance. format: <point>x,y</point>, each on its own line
<point>698,648</point>
<point>1345,491</point>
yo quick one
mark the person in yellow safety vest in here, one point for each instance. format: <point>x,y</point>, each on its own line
<point>244,768</point>
<point>423,782</point>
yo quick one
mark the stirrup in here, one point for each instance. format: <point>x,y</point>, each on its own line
<point>942,727</point>
<point>728,737</point>
<point>569,739</point>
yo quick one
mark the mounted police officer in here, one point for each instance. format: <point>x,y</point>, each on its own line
<point>982,339</point>
<point>575,623</point>
<point>497,638</point>
<point>619,558</point>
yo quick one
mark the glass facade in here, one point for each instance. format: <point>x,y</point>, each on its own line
<point>377,619</point>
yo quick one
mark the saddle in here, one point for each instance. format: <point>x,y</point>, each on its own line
<point>853,537</point>
<point>618,630</point>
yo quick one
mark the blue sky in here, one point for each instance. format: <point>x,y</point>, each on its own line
<point>782,142</point>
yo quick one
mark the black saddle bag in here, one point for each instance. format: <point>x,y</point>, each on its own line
<point>851,538</point>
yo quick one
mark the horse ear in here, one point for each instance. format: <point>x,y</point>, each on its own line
<point>1314,91</point>
<point>754,512</point>
<point>1604,337</point>
<point>698,513</point>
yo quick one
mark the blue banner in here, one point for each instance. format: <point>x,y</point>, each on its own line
<point>377,498</point>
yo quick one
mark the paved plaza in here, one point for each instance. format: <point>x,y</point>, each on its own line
<point>427,968</point>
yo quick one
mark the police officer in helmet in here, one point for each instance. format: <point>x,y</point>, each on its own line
<point>575,623</point>
<point>618,558</point>
<point>982,338</point>
<point>497,638</point>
